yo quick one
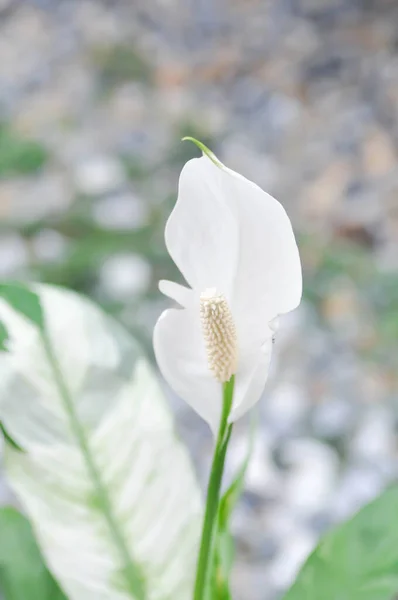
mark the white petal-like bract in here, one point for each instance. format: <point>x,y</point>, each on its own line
<point>225,234</point>
<point>182,359</point>
<point>201,232</point>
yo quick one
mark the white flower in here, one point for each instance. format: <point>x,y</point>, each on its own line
<point>235,247</point>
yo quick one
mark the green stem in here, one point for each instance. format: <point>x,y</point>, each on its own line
<point>206,550</point>
<point>130,571</point>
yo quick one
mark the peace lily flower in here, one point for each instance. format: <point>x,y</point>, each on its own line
<point>235,247</point>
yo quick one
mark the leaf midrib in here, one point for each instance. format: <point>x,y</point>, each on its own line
<point>130,571</point>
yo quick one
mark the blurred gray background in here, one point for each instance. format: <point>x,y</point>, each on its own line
<point>302,97</point>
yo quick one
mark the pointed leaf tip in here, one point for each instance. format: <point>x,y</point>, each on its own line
<point>205,150</point>
<point>23,300</point>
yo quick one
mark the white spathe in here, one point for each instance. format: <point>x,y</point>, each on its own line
<point>228,234</point>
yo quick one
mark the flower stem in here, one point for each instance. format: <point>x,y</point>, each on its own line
<point>206,550</point>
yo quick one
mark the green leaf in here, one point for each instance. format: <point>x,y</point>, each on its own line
<point>4,337</point>
<point>23,300</point>
<point>225,547</point>
<point>356,561</point>
<point>110,491</point>
<point>234,492</point>
<point>23,574</point>
<point>224,556</point>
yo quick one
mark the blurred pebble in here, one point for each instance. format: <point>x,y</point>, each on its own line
<point>279,521</point>
<point>257,166</point>
<point>49,246</point>
<point>252,537</point>
<point>262,477</point>
<point>120,211</point>
<point>358,486</point>
<point>123,276</point>
<point>98,175</point>
<point>333,417</point>
<point>250,581</point>
<point>13,255</point>
<point>283,410</point>
<point>375,438</point>
<point>30,199</point>
<point>311,477</point>
<point>379,155</point>
<point>319,6</point>
<point>281,571</point>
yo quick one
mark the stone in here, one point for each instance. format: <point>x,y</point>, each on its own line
<point>324,194</point>
<point>311,477</point>
<point>279,521</point>
<point>98,175</point>
<point>49,246</point>
<point>29,34</point>
<point>123,276</point>
<point>27,199</point>
<point>128,103</point>
<point>285,409</point>
<point>257,166</point>
<point>284,568</point>
<point>375,437</point>
<point>250,581</point>
<point>341,307</point>
<point>97,23</point>
<point>333,417</point>
<point>378,153</point>
<point>262,478</point>
<point>14,256</point>
<point>121,211</point>
<point>358,486</point>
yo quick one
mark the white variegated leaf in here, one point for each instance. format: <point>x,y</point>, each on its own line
<point>109,489</point>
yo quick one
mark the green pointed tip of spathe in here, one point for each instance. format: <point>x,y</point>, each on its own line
<point>205,150</point>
